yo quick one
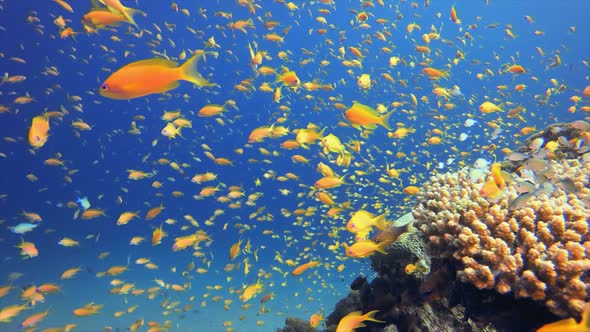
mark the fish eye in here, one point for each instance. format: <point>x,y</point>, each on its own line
<point>37,138</point>
<point>104,87</point>
<point>352,225</point>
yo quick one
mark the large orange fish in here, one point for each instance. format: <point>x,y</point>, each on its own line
<point>38,133</point>
<point>151,76</point>
<point>569,324</point>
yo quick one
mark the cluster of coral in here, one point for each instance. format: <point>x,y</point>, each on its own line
<point>538,251</point>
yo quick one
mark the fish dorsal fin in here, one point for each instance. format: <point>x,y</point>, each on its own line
<point>97,7</point>
<point>154,62</point>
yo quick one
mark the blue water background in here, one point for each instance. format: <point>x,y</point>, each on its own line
<point>103,155</point>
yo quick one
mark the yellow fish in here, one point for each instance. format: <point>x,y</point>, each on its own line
<point>171,130</point>
<point>361,223</point>
<point>364,81</point>
<point>489,107</point>
<point>332,143</point>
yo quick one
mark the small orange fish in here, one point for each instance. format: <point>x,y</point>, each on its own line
<point>234,251</point>
<point>146,77</point>
<point>516,69</point>
<point>100,19</point>
<point>34,319</point>
<point>454,17</point>
<point>28,249</point>
<point>360,115</point>
<point>38,133</point>
<point>304,267</point>
<point>355,319</point>
<point>87,310</point>
<point>316,320</point>
<point>250,291</point>
<point>158,235</point>
<point>329,182</point>
<point>490,190</point>
<point>289,79</point>
<point>154,212</point>
<point>411,190</point>
<point>9,312</point>
<point>496,172</point>
<point>116,7</point>
<point>435,74</point>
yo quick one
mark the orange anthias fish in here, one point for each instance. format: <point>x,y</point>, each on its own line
<point>355,320</point>
<point>146,77</point>
<point>360,115</point>
<point>38,133</point>
<point>34,319</point>
<point>494,187</point>
<point>361,223</point>
<point>100,19</point>
<point>116,7</point>
<point>569,324</point>
<point>251,291</point>
<point>365,248</point>
<point>28,249</point>
<point>316,320</point>
<point>304,267</point>
<point>289,79</point>
<point>87,310</point>
<point>157,235</point>
<point>496,171</point>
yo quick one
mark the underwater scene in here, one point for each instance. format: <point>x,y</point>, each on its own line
<point>318,165</point>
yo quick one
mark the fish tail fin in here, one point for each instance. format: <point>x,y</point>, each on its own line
<point>129,14</point>
<point>382,245</point>
<point>371,316</point>
<point>381,222</point>
<point>384,120</point>
<point>342,180</point>
<point>189,71</point>
<point>278,78</point>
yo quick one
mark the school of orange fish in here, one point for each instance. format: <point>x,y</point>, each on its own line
<point>369,150</point>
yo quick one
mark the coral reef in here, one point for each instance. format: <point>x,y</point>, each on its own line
<point>294,324</point>
<point>510,261</point>
<point>407,249</point>
<point>538,249</point>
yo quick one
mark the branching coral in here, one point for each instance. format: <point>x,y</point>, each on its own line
<point>538,250</point>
